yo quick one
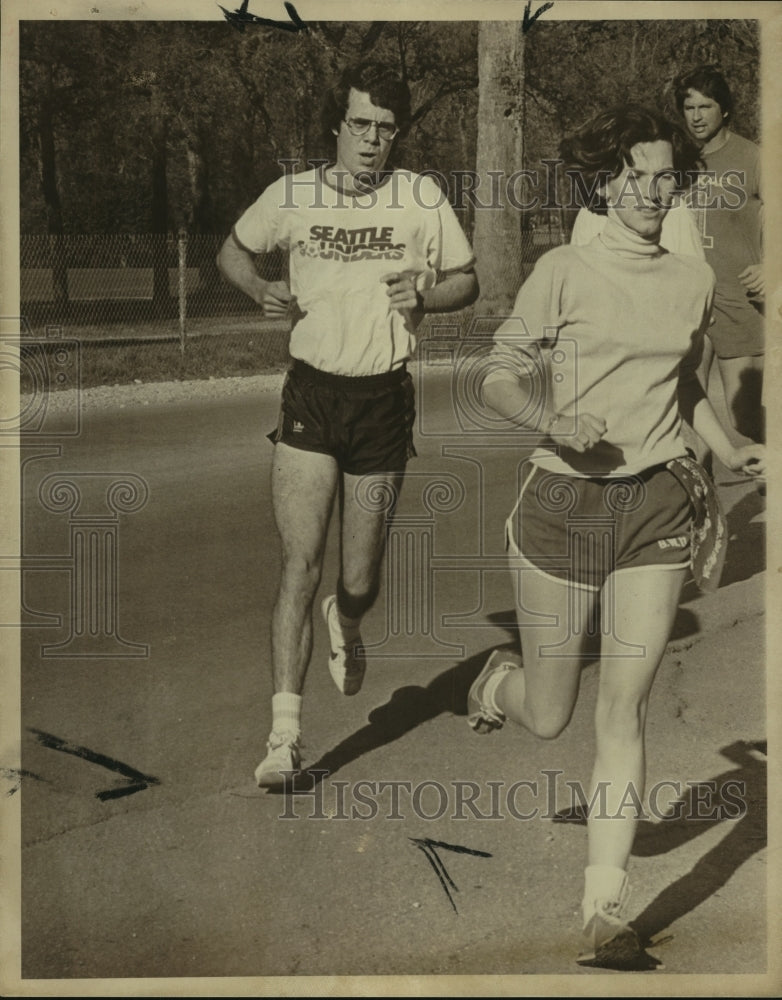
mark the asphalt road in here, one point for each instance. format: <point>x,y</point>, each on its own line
<point>147,851</point>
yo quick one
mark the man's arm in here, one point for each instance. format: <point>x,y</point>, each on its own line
<point>752,277</point>
<point>237,266</point>
<point>455,291</point>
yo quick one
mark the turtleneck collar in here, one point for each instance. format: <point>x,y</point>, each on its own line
<point>622,240</point>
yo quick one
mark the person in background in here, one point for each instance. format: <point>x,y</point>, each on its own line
<point>727,203</point>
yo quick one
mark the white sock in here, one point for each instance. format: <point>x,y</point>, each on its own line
<point>490,690</point>
<point>601,882</point>
<point>510,661</point>
<point>286,713</point>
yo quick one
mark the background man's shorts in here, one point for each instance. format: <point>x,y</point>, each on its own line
<point>365,422</point>
<point>737,330</point>
<point>580,530</point>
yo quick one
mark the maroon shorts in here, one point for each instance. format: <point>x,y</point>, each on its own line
<point>365,422</point>
<point>579,530</point>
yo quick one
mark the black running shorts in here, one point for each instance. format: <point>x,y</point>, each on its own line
<point>365,422</point>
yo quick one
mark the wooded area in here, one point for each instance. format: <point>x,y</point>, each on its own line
<point>149,127</point>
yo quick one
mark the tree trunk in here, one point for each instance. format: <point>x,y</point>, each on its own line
<point>51,194</point>
<point>200,212</point>
<point>159,204</point>
<point>468,221</point>
<point>497,234</point>
<point>199,215</point>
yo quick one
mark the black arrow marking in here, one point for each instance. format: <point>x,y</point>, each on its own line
<point>241,17</point>
<point>528,21</point>
<point>429,847</point>
<point>14,775</point>
<point>440,871</point>
<point>137,780</point>
<point>452,847</point>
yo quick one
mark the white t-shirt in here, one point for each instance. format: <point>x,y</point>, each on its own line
<point>339,246</point>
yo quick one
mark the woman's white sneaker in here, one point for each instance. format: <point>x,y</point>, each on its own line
<point>481,716</point>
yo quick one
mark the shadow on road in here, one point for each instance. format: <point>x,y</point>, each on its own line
<point>704,805</point>
<point>407,708</point>
<point>746,837</point>
<point>411,706</point>
<point>747,539</point>
<point>685,624</point>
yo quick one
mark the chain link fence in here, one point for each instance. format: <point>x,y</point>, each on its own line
<point>155,306</point>
<point>120,286</point>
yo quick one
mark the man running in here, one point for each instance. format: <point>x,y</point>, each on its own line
<point>729,208</point>
<point>371,250</point>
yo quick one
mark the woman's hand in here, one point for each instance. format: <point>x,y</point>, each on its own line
<point>579,433</point>
<point>750,459</point>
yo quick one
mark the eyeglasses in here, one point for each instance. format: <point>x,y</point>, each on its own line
<point>360,126</point>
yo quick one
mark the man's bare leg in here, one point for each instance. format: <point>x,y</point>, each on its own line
<point>366,507</point>
<point>303,488</point>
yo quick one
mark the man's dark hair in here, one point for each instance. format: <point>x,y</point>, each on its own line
<point>384,86</point>
<point>706,80</point>
<point>599,149</point>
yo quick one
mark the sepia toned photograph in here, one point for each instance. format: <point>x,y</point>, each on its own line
<point>387,601</point>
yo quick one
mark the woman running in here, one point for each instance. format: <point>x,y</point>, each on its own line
<point>600,356</point>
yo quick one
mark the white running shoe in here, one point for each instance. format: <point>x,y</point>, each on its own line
<point>481,717</point>
<point>347,663</point>
<point>608,941</point>
<point>281,763</point>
